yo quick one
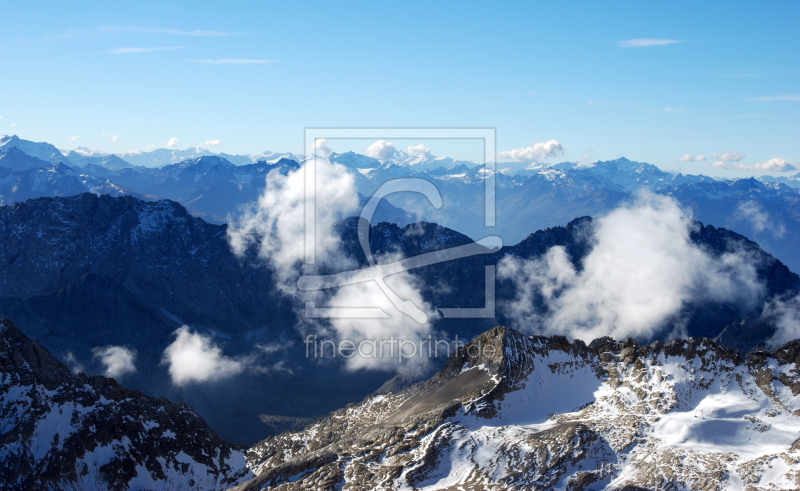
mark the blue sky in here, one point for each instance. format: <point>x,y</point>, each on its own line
<point>125,76</point>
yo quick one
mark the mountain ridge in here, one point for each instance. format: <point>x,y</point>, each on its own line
<point>605,421</point>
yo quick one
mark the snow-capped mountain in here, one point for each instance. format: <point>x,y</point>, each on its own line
<point>44,179</point>
<point>65,431</point>
<point>40,150</point>
<point>166,156</point>
<point>535,413</point>
<point>792,181</point>
<point>82,156</point>
<point>418,162</point>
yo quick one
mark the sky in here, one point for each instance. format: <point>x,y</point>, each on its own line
<point>650,81</point>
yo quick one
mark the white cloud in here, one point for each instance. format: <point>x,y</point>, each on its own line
<point>112,137</point>
<point>753,213</point>
<point>74,138</point>
<point>381,149</point>
<point>418,150</point>
<point>642,269</point>
<point>173,143</point>
<point>275,227</point>
<point>321,148</point>
<point>117,360</point>
<point>785,97</point>
<point>729,160</point>
<point>534,153</point>
<point>275,224</point>
<point>692,158</point>
<point>194,357</point>
<point>212,143</point>
<point>725,158</point>
<point>75,366</point>
<point>122,51</point>
<point>646,42</point>
<point>784,314</point>
<point>195,32</point>
<point>234,61</point>
<point>773,165</point>
<point>398,326</point>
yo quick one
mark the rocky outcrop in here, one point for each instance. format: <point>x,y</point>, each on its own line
<point>63,431</point>
<point>510,411</point>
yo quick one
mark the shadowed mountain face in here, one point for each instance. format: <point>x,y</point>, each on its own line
<point>62,431</point>
<point>510,411</point>
<point>83,272</point>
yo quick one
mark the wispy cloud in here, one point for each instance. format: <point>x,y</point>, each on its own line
<point>730,160</point>
<point>155,30</point>
<point>740,75</point>
<point>123,51</point>
<point>785,97</point>
<point>196,32</point>
<point>647,42</point>
<point>234,61</point>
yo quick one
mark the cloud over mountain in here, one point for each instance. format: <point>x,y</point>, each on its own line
<point>534,153</point>
<point>194,357</point>
<point>643,268</point>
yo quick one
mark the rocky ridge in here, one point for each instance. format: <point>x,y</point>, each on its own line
<point>516,412</point>
<point>62,431</point>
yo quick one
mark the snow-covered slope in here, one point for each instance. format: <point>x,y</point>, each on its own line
<point>66,432</point>
<point>41,150</point>
<point>513,412</point>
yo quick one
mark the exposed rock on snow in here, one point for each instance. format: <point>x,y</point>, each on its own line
<point>544,413</point>
<point>60,431</point>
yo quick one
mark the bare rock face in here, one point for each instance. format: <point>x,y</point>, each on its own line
<point>516,412</point>
<point>61,431</point>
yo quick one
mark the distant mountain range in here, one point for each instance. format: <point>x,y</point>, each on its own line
<point>215,186</point>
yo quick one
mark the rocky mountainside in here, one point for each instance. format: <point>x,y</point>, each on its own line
<point>61,431</point>
<point>88,271</point>
<point>515,412</point>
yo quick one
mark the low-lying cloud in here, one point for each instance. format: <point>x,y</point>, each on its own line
<point>752,213</point>
<point>784,314</point>
<point>642,269</point>
<point>194,357</point>
<point>275,227</point>
<point>398,325</point>
<point>116,360</point>
<point>275,224</point>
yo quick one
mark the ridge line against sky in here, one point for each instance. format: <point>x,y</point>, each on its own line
<point>537,156</point>
<point>653,83</point>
